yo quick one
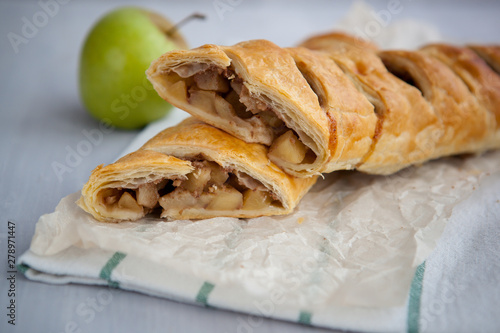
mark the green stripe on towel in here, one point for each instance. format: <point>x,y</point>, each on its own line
<point>413,318</point>
<point>205,290</point>
<point>108,268</point>
<point>305,317</point>
<point>22,268</point>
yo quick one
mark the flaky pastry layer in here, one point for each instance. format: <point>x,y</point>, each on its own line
<point>192,171</point>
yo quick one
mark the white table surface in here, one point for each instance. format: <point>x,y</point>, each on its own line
<point>41,117</point>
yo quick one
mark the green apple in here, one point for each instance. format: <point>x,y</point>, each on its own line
<point>114,59</point>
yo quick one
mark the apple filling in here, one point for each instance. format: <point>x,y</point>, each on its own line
<point>221,93</point>
<point>208,187</point>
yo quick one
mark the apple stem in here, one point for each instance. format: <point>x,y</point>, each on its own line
<point>185,20</point>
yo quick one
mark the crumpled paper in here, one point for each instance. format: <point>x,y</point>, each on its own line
<point>354,240</point>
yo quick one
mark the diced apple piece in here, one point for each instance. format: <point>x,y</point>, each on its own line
<point>110,196</point>
<point>211,80</point>
<point>256,200</point>
<point>204,199</point>
<point>271,119</point>
<point>179,90</point>
<point>227,198</point>
<point>197,180</point>
<point>127,202</point>
<point>224,108</point>
<point>203,99</point>
<point>188,70</point>
<point>288,148</point>
<point>218,175</point>
<point>147,195</point>
<point>177,200</point>
<point>239,108</point>
<point>248,181</point>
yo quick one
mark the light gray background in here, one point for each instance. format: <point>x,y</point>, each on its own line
<point>41,117</point>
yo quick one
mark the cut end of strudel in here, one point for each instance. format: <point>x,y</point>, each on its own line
<point>192,171</point>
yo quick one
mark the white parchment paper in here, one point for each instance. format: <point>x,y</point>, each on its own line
<point>354,240</point>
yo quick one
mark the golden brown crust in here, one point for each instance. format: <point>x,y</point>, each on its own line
<point>402,137</point>
<point>479,78</point>
<point>168,156</point>
<point>352,118</point>
<point>490,54</point>
<point>331,40</point>
<point>466,125</point>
